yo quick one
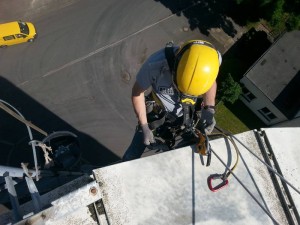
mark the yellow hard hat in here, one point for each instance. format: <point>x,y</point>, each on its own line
<point>196,67</point>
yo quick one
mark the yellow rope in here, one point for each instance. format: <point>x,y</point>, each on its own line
<point>235,147</point>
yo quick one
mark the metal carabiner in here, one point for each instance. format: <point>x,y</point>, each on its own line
<point>220,185</point>
<point>203,146</point>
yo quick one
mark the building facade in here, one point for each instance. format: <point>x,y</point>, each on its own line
<point>271,87</point>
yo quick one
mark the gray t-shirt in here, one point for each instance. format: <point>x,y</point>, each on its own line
<point>155,73</point>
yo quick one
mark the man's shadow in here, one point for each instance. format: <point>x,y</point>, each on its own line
<point>203,15</point>
<point>15,148</point>
<point>14,137</point>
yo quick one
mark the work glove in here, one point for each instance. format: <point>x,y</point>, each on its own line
<point>207,121</point>
<point>148,135</point>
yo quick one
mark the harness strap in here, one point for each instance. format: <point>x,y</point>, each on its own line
<point>170,55</point>
<point>157,123</point>
<point>188,111</point>
<point>156,114</point>
<point>157,100</point>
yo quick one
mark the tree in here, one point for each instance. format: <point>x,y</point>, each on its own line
<point>229,90</point>
<point>280,14</point>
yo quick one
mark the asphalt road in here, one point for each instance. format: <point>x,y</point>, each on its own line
<point>78,74</point>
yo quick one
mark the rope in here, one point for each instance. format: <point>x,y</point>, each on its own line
<point>48,161</point>
<point>241,183</point>
<point>46,149</point>
<point>25,169</point>
<point>235,147</point>
<point>18,117</point>
<point>268,166</point>
<point>230,138</point>
<point>285,182</point>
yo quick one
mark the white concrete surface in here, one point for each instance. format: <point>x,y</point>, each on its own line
<point>286,147</point>
<point>171,188</point>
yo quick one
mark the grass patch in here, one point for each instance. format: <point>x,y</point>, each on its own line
<point>228,121</point>
<point>237,118</point>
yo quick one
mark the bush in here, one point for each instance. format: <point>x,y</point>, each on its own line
<point>229,90</point>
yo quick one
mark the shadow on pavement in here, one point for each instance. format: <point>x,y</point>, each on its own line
<point>203,15</point>
<point>14,136</point>
<point>244,53</point>
<point>15,148</point>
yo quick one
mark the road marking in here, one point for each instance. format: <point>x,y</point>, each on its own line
<point>102,48</point>
<point>112,44</point>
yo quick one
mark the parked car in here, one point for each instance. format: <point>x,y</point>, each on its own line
<point>16,32</point>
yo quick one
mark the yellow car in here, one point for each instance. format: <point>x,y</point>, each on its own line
<point>16,32</point>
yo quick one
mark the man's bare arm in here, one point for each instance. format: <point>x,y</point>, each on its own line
<point>210,95</point>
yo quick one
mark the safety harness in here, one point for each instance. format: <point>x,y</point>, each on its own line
<point>155,110</point>
<point>157,116</point>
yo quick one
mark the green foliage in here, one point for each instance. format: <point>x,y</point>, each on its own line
<point>281,14</point>
<point>278,17</point>
<point>265,2</point>
<point>229,90</point>
<point>293,22</point>
<point>238,1</point>
<point>229,121</point>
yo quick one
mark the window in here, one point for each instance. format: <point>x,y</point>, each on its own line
<point>267,114</point>
<point>23,27</point>
<point>20,35</point>
<point>247,94</point>
<point>10,37</point>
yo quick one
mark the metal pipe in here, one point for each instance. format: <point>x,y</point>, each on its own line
<point>30,136</point>
<point>14,172</point>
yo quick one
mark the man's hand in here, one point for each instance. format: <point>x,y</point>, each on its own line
<point>148,135</point>
<point>207,121</point>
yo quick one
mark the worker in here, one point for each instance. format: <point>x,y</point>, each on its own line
<point>178,77</point>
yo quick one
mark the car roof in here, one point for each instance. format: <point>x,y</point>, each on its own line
<point>9,28</point>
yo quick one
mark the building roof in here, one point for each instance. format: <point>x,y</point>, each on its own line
<point>172,188</point>
<point>9,28</point>
<point>276,73</point>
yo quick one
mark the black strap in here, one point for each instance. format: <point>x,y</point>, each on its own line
<point>157,123</point>
<point>155,111</point>
<point>170,55</point>
<point>188,111</point>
